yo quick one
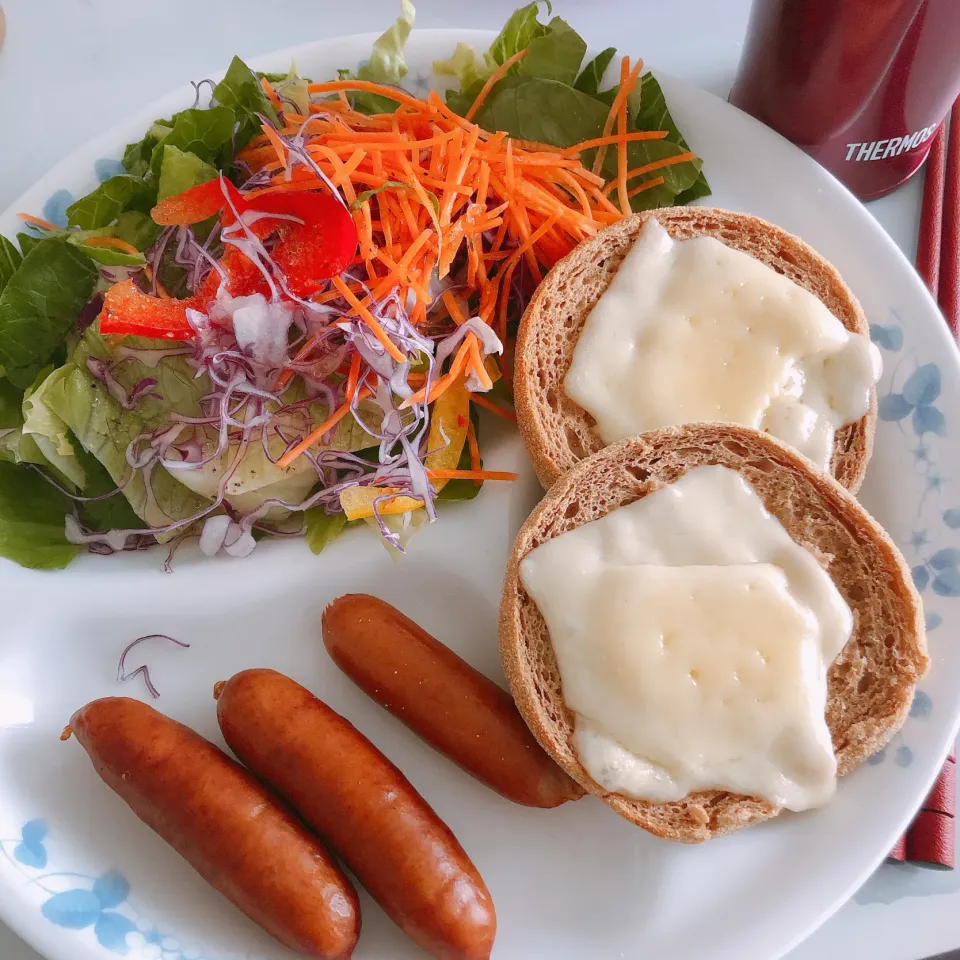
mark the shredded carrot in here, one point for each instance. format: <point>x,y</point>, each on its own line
<point>492,80</point>
<point>444,195</point>
<point>283,154</point>
<point>318,432</point>
<point>476,363</point>
<point>649,184</point>
<point>113,242</point>
<point>392,93</point>
<point>37,222</point>
<point>444,382</point>
<point>474,447</point>
<point>481,401</point>
<point>628,80</point>
<point>472,475</point>
<point>654,165</point>
<point>621,143</point>
<point>607,140</point>
<point>370,320</point>
<point>450,301</point>
<point>353,377</point>
<point>271,93</point>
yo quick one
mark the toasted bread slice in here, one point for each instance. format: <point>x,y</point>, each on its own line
<point>872,681</point>
<point>556,431</point>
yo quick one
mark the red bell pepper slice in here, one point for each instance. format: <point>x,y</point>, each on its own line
<point>321,248</point>
<point>128,310</point>
<point>320,243</point>
<point>198,204</point>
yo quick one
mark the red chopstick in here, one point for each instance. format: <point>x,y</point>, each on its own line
<point>931,838</point>
<point>931,214</point>
<point>949,290</point>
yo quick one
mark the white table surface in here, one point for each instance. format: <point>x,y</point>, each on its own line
<point>71,68</point>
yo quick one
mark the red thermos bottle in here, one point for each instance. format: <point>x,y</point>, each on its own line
<point>860,85</point>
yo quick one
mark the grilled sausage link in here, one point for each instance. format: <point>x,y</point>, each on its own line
<point>224,823</point>
<point>352,795</point>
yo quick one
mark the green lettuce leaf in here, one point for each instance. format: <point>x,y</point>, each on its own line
<point>39,306</point>
<point>9,261</point>
<point>240,90</point>
<point>104,204</point>
<point>108,256</point>
<point>518,106</point>
<point>11,404</point>
<point>207,133</point>
<point>386,65</point>
<point>547,98</point>
<point>466,66</point>
<point>113,512</point>
<point>590,79</point>
<point>556,55</point>
<point>655,115</point>
<point>105,429</point>
<point>180,171</point>
<point>291,86</point>
<point>32,520</point>
<point>27,242</point>
<point>132,226</point>
<point>518,32</point>
<point>322,528</point>
<point>51,436</point>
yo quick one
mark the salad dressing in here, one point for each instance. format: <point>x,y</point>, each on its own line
<point>693,638</point>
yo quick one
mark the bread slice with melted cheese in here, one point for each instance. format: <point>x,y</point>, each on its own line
<point>556,431</point>
<point>870,684</point>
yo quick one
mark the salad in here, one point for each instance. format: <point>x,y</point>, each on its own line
<point>288,313</point>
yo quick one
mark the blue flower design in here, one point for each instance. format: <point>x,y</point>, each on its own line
<point>106,167</point>
<point>55,209</point>
<point>31,851</point>
<point>78,909</point>
<point>919,539</point>
<point>943,570</point>
<point>917,398</point>
<point>903,756</point>
<point>887,337</point>
<point>922,706</point>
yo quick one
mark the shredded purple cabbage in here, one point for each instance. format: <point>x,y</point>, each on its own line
<point>245,346</point>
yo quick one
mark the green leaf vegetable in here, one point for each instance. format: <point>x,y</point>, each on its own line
<point>393,185</point>
<point>547,98</point>
<point>386,64</point>
<point>322,528</point>
<point>32,520</point>
<point>180,170</point>
<point>205,133</point>
<point>39,306</point>
<point>9,261</point>
<point>103,205</point>
<point>104,428</point>
<point>240,90</point>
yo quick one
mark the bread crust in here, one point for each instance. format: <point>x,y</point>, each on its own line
<point>556,431</point>
<point>870,684</point>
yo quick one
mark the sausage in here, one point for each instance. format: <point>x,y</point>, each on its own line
<point>224,823</point>
<point>452,706</point>
<point>368,811</point>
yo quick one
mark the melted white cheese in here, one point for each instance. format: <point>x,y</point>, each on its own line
<point>694,330</point>
<point>693,637</point>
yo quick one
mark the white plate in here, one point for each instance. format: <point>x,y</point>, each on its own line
<point>81,878</point>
